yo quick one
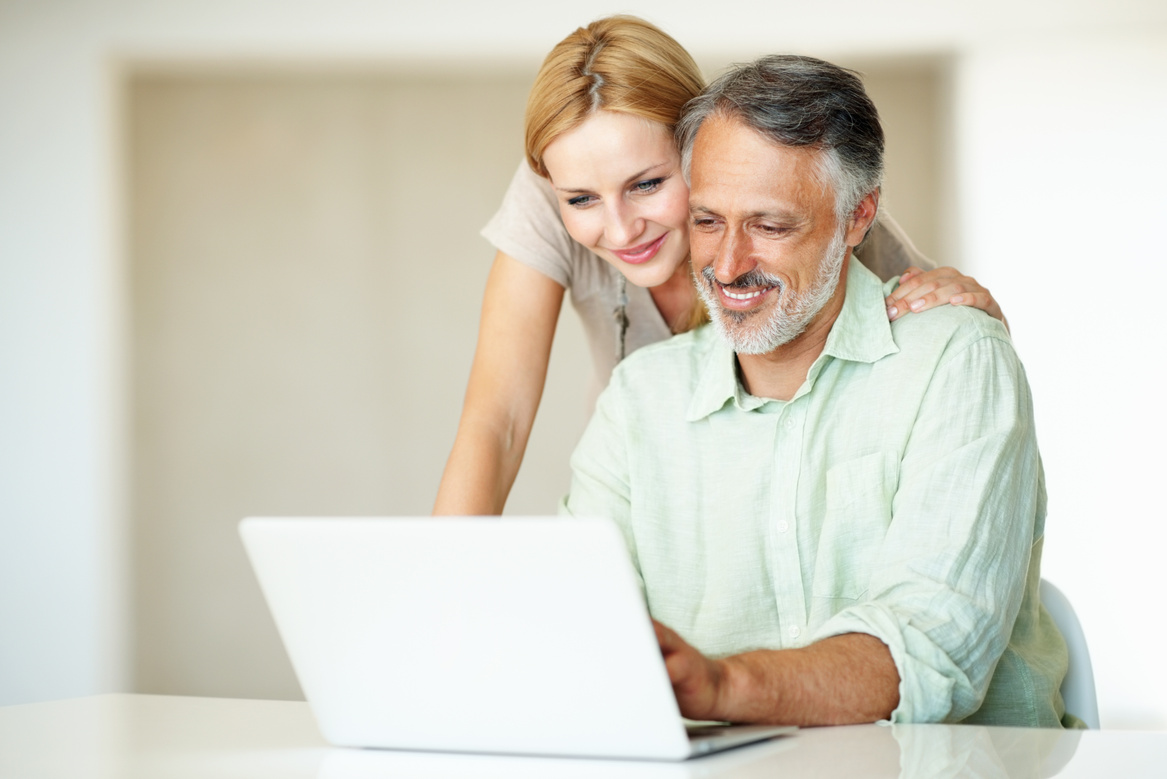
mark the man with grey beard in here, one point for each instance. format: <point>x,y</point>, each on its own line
<point>835,518</point>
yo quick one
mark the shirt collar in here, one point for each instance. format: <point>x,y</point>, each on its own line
<point>862,333</point>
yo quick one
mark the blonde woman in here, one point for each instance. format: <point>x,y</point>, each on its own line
<point>600,209</point>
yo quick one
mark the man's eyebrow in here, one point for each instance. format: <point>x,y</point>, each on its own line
<point>790,216</point>
<point>633,177</point>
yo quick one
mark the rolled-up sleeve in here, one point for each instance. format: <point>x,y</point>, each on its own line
<point>949,577</point>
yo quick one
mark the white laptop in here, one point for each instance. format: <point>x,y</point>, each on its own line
<point>518,636</point>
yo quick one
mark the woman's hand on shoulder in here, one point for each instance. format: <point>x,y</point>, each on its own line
<point>920,290</point>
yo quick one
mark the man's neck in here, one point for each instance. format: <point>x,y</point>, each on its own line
<point>779,374</point>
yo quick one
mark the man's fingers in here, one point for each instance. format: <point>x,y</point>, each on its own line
<point>678,660</point>
<point>695,678</point>
<point>669,641</point>
<point>662,632</point>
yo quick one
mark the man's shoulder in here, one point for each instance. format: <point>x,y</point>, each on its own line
<point>947,330</point>
<point>670,361</point>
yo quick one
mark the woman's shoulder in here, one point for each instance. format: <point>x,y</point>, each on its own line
<point>528,227</point>
<point>888,251</point>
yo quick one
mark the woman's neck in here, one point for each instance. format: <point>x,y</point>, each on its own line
<point>675,298</point>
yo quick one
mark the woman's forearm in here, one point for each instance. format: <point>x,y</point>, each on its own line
<point>481,469</point>
<point>519,313</point>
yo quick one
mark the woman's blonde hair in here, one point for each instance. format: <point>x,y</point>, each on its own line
<point>618,63</point>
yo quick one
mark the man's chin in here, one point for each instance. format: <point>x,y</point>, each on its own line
<point>745,334</point>
<point>735,317</point>
<point>747,345</point>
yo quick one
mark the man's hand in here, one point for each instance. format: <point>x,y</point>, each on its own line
<point>698,682</point>
<point>840,680</point>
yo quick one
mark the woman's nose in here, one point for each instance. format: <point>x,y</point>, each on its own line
<point>623,228</point>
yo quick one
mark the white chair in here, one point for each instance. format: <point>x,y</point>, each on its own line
<point>1078,686</point>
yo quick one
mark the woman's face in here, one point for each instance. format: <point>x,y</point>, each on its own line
<point>621,194</point>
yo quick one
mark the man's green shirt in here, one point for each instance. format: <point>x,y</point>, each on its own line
<point>899,493</point>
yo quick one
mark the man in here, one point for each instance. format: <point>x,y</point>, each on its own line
<point>838,518</point>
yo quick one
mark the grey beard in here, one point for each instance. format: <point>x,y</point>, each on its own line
<point>747,332</point>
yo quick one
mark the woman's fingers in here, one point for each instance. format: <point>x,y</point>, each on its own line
<point>928,289</point>
<point>916,282</point>
<point>983,300</point>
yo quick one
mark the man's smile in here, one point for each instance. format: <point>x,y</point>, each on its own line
<point>745,295</point>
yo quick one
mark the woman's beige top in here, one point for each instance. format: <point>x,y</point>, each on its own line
<point>527,226</point>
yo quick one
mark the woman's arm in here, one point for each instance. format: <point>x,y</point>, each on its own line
<point>920,290</point>
<point>519,312</point>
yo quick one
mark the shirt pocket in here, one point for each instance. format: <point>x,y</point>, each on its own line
<point>858,513</point>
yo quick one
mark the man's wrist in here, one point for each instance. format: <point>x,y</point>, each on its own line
<point>732,683</point>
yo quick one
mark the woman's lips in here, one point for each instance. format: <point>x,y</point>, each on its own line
<point>641,254</point>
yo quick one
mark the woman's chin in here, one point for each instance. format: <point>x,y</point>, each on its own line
<point>651,274</point>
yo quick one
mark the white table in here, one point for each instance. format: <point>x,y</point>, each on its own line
<point>129,736</point>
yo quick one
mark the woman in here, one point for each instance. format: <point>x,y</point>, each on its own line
<point>601,208</point>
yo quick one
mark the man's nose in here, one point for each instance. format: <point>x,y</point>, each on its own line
<point>733,257</point>
<point>623,227</point>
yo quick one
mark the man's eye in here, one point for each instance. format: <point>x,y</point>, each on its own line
<point>649,185</point>
<point>581,200</point>
<point>703,223</point>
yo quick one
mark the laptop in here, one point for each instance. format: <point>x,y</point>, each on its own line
<point>490,635</point>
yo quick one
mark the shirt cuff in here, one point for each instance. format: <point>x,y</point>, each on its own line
<point>930,682</point>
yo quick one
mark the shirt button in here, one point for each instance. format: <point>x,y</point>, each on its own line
<point>789,423</point>
<point>795,631</point>
<point>783,526</point>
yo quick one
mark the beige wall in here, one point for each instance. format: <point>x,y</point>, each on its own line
<point>305,282</point>
<point>306,276</point>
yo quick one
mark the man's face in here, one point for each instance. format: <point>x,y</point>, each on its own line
<point>767,248</point>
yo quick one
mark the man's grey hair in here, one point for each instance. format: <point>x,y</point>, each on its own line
<point>799,101</point>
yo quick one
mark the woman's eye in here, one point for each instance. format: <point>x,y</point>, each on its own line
<point>647,186</point>
<point>581,200</point>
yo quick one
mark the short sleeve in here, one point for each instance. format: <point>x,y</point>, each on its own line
<point>888,251</point>
<point>527,226</point>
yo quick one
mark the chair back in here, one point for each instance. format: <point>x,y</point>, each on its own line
<point>1078,686</point>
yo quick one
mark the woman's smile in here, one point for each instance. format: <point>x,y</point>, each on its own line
<point>642,253</point>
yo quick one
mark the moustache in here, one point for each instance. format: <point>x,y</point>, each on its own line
<point>754,278</point>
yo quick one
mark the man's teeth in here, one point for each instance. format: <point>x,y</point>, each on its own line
<point>744,296</point>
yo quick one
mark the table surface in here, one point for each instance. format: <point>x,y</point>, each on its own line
<point>165,737</point>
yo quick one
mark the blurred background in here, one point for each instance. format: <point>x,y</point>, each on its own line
<point>240,274</point>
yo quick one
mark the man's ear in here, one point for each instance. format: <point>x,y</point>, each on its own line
<point>862,218</point>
